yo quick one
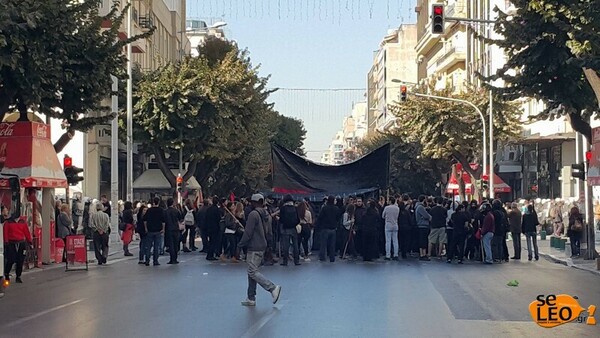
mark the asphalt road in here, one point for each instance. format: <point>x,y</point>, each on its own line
<point>342,299</point>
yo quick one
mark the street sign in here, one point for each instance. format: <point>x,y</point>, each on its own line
<point>76,251</point>
<point>593,174</point>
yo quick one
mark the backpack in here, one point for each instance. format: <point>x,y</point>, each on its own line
<point>189,217</point>
<point>289,217</point>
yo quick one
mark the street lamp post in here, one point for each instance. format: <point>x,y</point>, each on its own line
<point>484,145</point>
<point>129,109</point>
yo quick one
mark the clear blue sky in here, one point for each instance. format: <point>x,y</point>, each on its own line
<point>310,44</point>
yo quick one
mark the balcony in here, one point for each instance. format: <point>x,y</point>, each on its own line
<point>450,58</point>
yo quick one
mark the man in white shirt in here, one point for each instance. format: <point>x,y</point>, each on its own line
<point>390,215</point>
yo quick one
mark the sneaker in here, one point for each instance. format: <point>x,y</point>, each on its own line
<point>234,260</point>
<point>387,258</point>
<point>395,258</point>
<point>141,262</point>
<point>186,250</point>
<point>307,259</point>
<point>275,293</point>
<point>424,258</point>
<point>19,280</point>
<point>249,302</point>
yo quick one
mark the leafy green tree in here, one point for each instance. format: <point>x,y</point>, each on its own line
<point>549,44</point>
<point>210,108</point>
<point>410,171</point>
<point>290,134</point>
<point>450,130</point>
<point>56,59</point>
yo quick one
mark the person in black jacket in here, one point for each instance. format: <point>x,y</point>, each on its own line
<point>460,220</point>
<point>212,220</point>
<point>172,232</point>
<point>288,217</point>
<point>200,218</point>
<point>369,231</point>
<point>529,224</point>
<point>499,240</point>
<point>405,222</point>
<point>328,222</point>
<point>574,231</point>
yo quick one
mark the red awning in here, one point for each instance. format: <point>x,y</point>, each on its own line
<point>499,185</point>
<point>29,154</point>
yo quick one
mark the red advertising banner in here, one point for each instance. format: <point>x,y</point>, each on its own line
<point>76,250</point>
<point>593,174</point>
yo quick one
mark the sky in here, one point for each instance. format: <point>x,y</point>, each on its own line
<point>314,45</point>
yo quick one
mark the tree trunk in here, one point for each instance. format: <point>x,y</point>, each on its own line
<point>580,125</point>
<point>62,142</point>
<point>159,153</point>
<point>594,81</point>
<point>22,112</point>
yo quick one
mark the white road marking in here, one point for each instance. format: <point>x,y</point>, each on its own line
<point>39,314</point>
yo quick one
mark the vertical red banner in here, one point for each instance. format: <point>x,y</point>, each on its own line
<point>76,250</point>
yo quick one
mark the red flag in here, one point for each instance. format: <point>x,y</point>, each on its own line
<point>232,197</point>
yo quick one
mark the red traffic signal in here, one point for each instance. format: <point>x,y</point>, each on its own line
<point>437,25</point>
<point>403,93</point>
<point>67,162</point>
<point>588,156</point>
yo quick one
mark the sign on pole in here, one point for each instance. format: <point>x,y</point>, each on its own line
<point>593,174</point>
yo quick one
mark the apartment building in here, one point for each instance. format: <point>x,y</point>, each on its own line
<point>168,43</point>
<point>344,147</point>
<point>197,31</point>
<point>538,166</point>
<point>394,60</point>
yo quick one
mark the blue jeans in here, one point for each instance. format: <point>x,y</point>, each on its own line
<point>487,246</point>
<point>143,244</point>
<point>153,241</point>
<point>327,244</point>
<point>532,237</point>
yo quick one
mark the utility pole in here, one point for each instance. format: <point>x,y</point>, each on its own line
<point>129,108</point>
<point>114,163</point>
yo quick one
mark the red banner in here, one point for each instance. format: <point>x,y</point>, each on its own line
<point>76,250</point>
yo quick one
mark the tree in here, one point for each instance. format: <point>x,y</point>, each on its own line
<point>212,107</point>
<point>451,130</point>
<point>56,59</point>
<point>290,134</point>
<point>410,171</point>
<point>548,44</point>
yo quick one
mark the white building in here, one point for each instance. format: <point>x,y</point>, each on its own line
<point>197,31</point>
<point>344,147</point>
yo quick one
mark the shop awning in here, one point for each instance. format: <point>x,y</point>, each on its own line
<point>452,188</point>
<point>153,179</point>
<point>28,153</point>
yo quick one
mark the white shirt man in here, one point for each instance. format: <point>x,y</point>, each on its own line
<point>390,215</point>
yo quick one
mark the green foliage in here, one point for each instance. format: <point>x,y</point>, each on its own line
<point>290,133</point>
<point>410,171</point>
<point>548,43</point>
<point>447,130</point>
<point>56,59</point>
<point>214,107</point>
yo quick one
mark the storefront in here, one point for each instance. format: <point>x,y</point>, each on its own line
<point>31,156</point>
<point>453,188</point>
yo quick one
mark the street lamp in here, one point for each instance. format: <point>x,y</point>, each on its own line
<point>463,102</point>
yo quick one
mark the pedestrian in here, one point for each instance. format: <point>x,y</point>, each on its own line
<point>213,220</point>
<point>200,219</point>
<point>501,226</point>
<point>515,219</point>
<point>369,232</point>
<point>487,231</point>
<point>129,227</point>
<point>437,236</point>
<point>64,227</point>
<point>460,220</point>
<point>140,229</point>
<point>231,225</point>
<point>390,215</point>
<point>359,214</point>
<point>557,218</point>
<point>423,219</point>
<point>172,231</point>
<point>17,239</point>
<point>154,224</point>
<point>473,247</point>
<point>105,205</point>
<point>100,224</point>
<point>405,223</point>
<point>327,223</point>
<point>575,231</point>
<point>288,217</point>
<point>305,216</point>
<point>190,227</point>
<point>529,225</point>
<point>256,243</point>
<point>349,231</point>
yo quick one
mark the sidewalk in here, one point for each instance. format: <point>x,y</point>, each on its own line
<point>562,256</point>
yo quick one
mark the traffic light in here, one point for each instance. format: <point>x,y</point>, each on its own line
<point>179,183</point>
<point>71,172</point>
<point>403,93</point>
<point>437,25</point>
<point>578,171</point>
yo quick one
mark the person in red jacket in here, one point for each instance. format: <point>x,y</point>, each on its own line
<point>487,231</point>
<point>16,239</point>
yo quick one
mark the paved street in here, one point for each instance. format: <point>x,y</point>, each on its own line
<point>343,299</point>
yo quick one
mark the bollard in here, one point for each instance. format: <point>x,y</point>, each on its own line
<point>597,263</point>
<point>543,235</point>
<point>552,241</point>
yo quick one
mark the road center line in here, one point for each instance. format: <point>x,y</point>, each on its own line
<point>39,314</point>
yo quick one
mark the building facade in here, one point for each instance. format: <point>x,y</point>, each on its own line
<point>537,166</point>
<point>394,60</point>
<point>344,147</point>
<point>168,43</point>
<point>197,31</point>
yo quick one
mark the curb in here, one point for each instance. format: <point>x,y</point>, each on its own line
<point>567,262</point>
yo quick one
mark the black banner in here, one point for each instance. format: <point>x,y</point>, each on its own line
<point>293,174</point>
